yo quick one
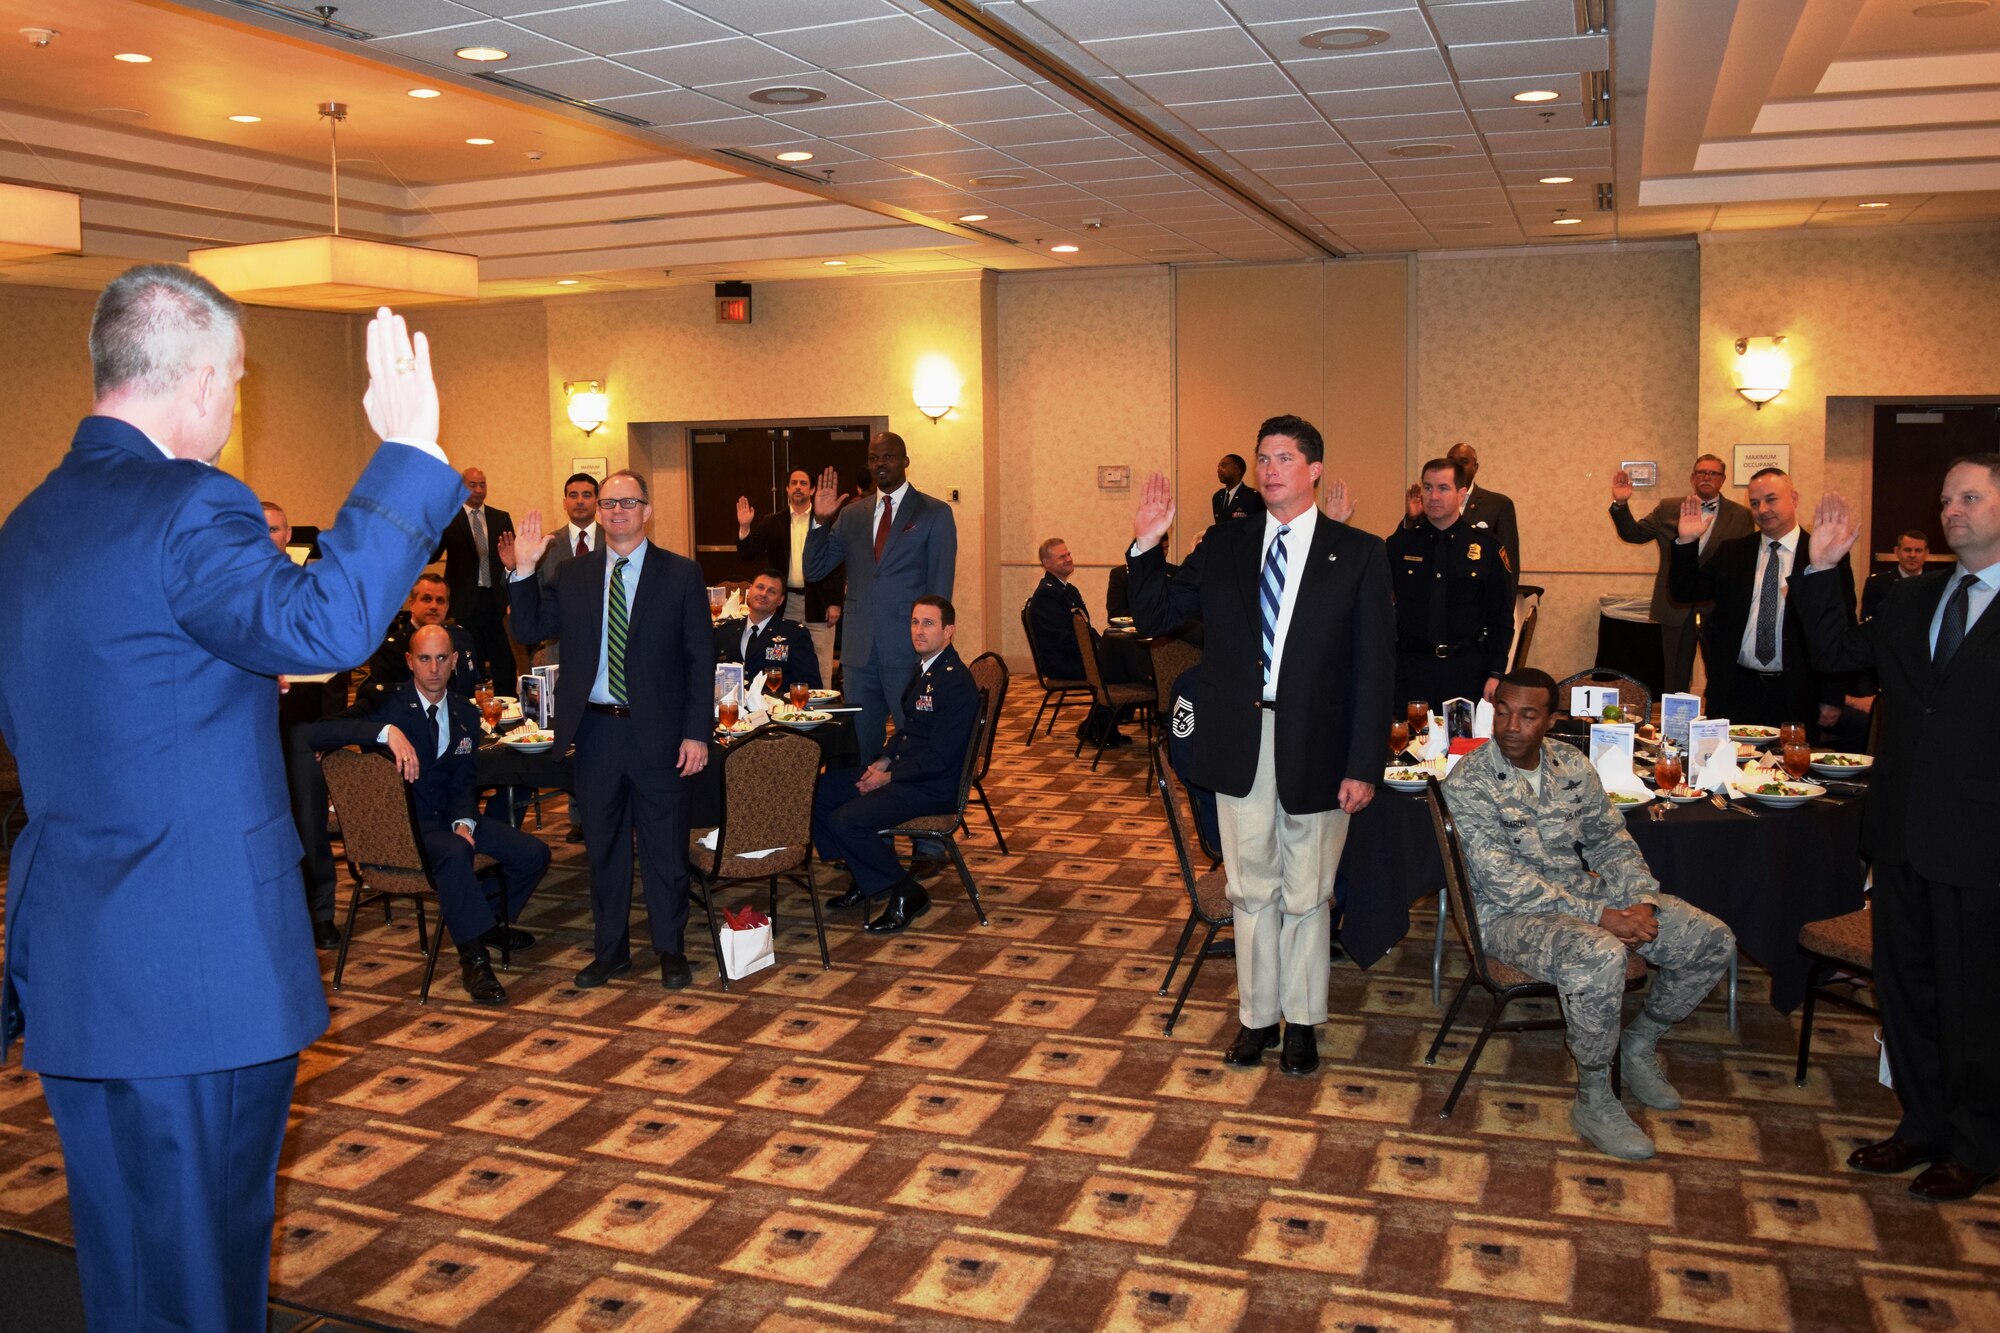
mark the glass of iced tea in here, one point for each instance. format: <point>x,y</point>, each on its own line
<point>1792,733</point>
<point>1399,737</point>
<point>1798,758</point>
<point>491,708</point>
<point>801,695</point>
<point>726,712</point>
<point>774,681</point>
<point>1667,768</point>
<point>1419,713</point>
<point>716,597</point>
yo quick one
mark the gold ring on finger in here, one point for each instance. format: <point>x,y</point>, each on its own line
<point>405,364</point>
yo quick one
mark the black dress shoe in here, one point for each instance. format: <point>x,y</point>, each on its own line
<point>1949,1180</point>
<point>575,833</point>
<point>1117,740</point>
<point>853,897</point>
<point>906,903</point>
<point>517,940</point>
<point>326,935</point>
<point>599,971</point>
<point>1249,1047</point>
<point>675,974</point>
<point>1890,1157</point>
<point>1301,1054</point>
<point>480,983</point>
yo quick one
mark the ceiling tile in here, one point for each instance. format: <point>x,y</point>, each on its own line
<point>1038,129</point>
<point>835,122</point>
<point>1369,188</point>
<point>1406,31</point>
<point>1424,182</point>
<point>932,75</point>
<point>1417,99</point>
<point>1467,148</point>
<point>1498,94</point>
<point>1090,20</point>
<point>523,47</point>
<point>1533,119</point>
<point>674,106</point>
<point>902,143</point>
<point>590,80</point>
<point>1549,141</point>
<point>1312,133</point>
<point>1290,176</point>
<point>730,60</point>
<point>1166,53</point>
<point>1074,150</point>
<point>622,25</point>
<point>762,16</point>
<point>1262,79</point>
<point>877,41</point>
<point>964,162</point>
<point>1286,110</point>
<point>1379,129</point>
<point>1082,173</point>
<point>1506,60</point>
<point>1322,155</point>
<point>994,104</point>
<point>1505,21</point>
<point>1391,69</point>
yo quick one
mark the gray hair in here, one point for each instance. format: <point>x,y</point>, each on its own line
<point>153,325</point>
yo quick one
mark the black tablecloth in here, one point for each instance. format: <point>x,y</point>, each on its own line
<point>1764,876</point>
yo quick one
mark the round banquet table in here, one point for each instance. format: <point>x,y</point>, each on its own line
<point>1764,876</point>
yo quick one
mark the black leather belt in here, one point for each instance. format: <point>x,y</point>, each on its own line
<point>1763,675</point>
<point>1268,705</point>
<point>1442,650</point>
<point>613,710</point>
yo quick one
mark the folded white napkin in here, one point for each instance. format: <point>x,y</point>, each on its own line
<point>756,689</point>
<point>707,840</point>
<point>1482,720</point>
<point>1435,741</point>
<point>1614,770</point>
<point>1718,772</point>
<point>733,607</point>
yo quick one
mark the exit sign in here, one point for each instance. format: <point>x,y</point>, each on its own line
<point>732,303</point>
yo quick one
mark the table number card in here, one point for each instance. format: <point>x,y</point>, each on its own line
<point>1705,736</point>
<point>1591,700</point>
<point>1607,737</point>
<point>1676,712</point>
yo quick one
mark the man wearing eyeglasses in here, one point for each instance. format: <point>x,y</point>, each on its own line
<point>1680,622</point>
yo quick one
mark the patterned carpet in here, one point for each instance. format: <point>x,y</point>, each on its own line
<point>985,1124</point>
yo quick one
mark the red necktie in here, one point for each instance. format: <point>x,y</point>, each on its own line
<point>582,546</point>
<point>882,528</point>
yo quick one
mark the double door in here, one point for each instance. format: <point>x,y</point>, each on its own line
<point>752,462</point>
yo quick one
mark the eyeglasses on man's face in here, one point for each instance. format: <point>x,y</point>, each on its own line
<point>621,502</point>
<point>1710,472</point>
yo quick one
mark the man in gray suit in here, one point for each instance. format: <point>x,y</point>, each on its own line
<point>897,546</point>
<point>1678,621</point>
<point>580,536</point>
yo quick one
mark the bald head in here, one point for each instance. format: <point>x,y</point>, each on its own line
<point>431,659</point>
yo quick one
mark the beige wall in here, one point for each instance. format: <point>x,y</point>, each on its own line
<point>491,364</point>
<point>1557,367</point>
<point>44,344</point>
<point>305,437</point>
<point>1110,404</point>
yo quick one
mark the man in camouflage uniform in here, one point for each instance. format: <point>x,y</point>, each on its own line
<point>1524,808</point>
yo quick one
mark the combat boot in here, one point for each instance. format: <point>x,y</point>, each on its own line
<point>1639,1059</point>
<point>1602,1122</point>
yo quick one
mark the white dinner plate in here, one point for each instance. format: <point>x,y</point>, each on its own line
<point>1825,770</point>
<point>1810,790</point>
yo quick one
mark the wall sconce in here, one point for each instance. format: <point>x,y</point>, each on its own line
<point>937,386</point>
<point>1763,370</point>
<point>589,405</point>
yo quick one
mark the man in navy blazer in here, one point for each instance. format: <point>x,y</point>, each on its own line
<point>160,958</point>
<point>763,639</point>
<point>917,774</point>
<point>897,546</point>
<point>636,697</point>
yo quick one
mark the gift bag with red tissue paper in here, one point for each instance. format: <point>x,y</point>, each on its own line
<point>746,941</point>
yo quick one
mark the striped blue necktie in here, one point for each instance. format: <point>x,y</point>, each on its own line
<point>1273,593</point>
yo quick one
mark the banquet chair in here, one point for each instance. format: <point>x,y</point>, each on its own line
<point>1171,656</point>
<point>1503,984</point>
<point>1634,697</point>
<point>385,853</point>
<point>1054,691</point>
<point>944,828</point>
<point>1137,695</point>
<point>1846,943</point>
<point>769,780</point>
<point>1527,613</point>
<point>1208,899</point>
<point>990,674</point>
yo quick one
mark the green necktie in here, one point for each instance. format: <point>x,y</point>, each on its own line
<point>619,623</point>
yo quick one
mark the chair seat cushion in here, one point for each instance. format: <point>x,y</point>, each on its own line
<point>1129,694</point>
<point>1052,685</point>
<point>930,825</point>
<point>743,867</point>
<point>1846,939</point>
<point>1212,892</point>
<point>1504,974</point>
<point>389,879</point>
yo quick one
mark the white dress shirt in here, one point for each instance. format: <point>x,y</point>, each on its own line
<point>795,572</point>
<point>591,538</point>
<point>1710,509</point>
<point>1788,549</point>
<point>897,496</point>
<point>600,687</point>
<point>751,627</point>
<point>1978,597</point>
<point>1298,548</point>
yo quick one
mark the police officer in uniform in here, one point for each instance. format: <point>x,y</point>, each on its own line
<point>764,639</point>
<point>1454,598</point>
<point>917,774</point>
<point>429,604</point>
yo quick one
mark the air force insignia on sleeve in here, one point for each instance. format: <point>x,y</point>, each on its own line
<point>1183,723</point>
<point>464,745</point>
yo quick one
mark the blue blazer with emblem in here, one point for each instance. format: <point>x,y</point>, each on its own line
<point>156,925</point>
<point>940,709</point>
<point>782,643</point>
<point>919,559</point>
<point>447,786</point>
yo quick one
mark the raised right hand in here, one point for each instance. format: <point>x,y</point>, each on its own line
<point>529,543</point>
<point>402,398</point>
<point>745,516</point>
<point>1833,531</point>
<point>1692,521</point>
<point>1156,512</point>
<point>404,753</point>
<point>826,499</point>
<point>1621,486</point>
<point>1413,501</point>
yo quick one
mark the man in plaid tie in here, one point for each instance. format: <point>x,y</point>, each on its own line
<point>1296,610</point>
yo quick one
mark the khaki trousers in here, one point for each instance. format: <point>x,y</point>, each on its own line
<point>821,632</point>
<point>1280,868</point>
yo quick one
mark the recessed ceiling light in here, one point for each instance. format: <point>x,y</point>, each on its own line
<point>1003,179</point>
<point>972,217</point>
<point>246,120</point>
<point>1537,95</point>
<point>1422,150</point>
<point>795,156</point>
<point>1873,203</point>
<point>487,53</point>
<point>1064,249</point>
<point>425,93</point>
<point>1952,9</point>
<point>1343,39</point>
<point>565,282</point>
<point>1557,180</point>
<point>1569,222</point>
<point>787,95</point>
<point>833,263</point>
<point>133,58</point>
<point>479,143</point>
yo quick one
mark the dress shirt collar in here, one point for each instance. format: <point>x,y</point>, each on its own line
<point>1988,578</point>
<point>924,667</point>
<point>1300,537</point>
<point>896,497</point>
<point>1790,541</point>
<point>590,532</point>
<point>637,560</point>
